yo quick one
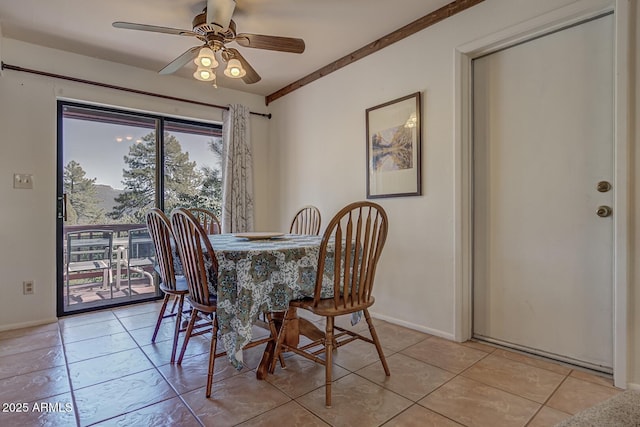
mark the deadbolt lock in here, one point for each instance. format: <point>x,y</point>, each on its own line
<point>603,186</point>
<point>604,211</point>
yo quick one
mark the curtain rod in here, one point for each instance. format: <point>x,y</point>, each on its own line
<point>4,66</point>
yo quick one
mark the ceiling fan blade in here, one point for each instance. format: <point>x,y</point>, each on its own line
<point>281,44</point>
<point>252,76</point>
<point>181,60</point>
<point>153,28</point>
<point>219,12</point>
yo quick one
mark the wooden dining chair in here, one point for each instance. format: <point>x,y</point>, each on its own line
<point>172,285</point>
<point>207,219</point>
<point>200,266</point>
<point>350,249</point>
<point>306,221</point>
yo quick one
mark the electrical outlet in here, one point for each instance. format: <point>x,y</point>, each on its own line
<point>27,287</point>
<point>23,181</point>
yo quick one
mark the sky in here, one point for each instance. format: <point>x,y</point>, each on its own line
<point>95,146</point>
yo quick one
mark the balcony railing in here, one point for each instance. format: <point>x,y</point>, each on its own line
<point>106,264</point>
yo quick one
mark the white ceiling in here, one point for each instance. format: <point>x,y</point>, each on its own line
<point>330,29</point>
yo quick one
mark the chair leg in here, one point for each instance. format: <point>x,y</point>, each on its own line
<point>176,332</point>
<point>277,352</point>
<point>328,352</point>
<point>187,335</point>
<point>374,336</point>
<point>274,334</point>
<point>160,316</point>
<point>175,300</point>
<point>212,354</point>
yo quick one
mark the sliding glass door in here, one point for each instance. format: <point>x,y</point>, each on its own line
<point>113,166</point>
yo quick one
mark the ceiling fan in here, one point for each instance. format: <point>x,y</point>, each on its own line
<point>215,28</point>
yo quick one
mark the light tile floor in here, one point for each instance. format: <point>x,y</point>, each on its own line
<point>101,369</point>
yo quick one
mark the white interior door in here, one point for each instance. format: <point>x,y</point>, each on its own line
<point>543,140</point>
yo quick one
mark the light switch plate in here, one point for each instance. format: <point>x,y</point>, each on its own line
<point>23,181</point>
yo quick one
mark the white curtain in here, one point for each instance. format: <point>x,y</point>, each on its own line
<point>237,171</point>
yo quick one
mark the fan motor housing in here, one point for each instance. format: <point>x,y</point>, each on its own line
<point>202,27</point>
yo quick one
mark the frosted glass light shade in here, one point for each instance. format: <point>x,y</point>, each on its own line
<point>206,58</point>
<point>234,69</point>
<point>204,74</point>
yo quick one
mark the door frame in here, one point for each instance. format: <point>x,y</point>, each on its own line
<point>463,161</point>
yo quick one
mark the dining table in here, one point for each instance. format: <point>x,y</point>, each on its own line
<point>259,275</point>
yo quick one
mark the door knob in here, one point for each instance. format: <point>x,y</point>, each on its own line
<point>603,186</point>
<point>604,211</point>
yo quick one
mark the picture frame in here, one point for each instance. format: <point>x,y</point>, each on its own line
<point>394,146</point>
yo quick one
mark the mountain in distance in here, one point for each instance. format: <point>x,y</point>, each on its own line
<point>106,196</point>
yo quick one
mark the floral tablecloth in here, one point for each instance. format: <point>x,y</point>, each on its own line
<point>256,276</point>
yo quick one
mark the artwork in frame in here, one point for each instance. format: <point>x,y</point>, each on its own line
<point>393,148</point>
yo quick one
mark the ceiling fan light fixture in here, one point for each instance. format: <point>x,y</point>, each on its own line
<point>206,58</point>
<point>204,74</point>
<point>234,69</point>
<point>214,28</point>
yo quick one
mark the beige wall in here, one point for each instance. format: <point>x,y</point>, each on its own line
<point>28,145</point>
<point>318,156</point>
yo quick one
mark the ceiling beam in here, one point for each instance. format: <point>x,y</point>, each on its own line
<point>401,33</point>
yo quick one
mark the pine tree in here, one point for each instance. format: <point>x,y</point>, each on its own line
<point>182,182</point>
<point>210,196</point>
<point>82,201</point>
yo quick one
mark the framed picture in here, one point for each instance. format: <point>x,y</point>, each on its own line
<point>393,148</point>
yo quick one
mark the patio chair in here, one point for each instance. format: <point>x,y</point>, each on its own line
<point>350,248</point>
<point>89,250</point>
<point>209,221</point>
<point>140,254</point>
<point>306,221</point>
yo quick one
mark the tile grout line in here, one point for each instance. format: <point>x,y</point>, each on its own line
<point>154,367</point>
<point>291,399</point>
<point>533,356</point>
<point>456,375</point>
<point>71,389</point>
<point>549,397</point>
<point>138,344</point>
<point>418,360</point>
<point>157,368</point>
<point>413,403</point>
<point>517,395</point>
<point>349,371</point>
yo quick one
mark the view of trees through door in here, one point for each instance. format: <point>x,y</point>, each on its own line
<point>113,167</point>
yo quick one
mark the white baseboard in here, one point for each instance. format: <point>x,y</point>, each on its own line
<point>446,335</point>
<point>27,324</point>
<point>633,386</point>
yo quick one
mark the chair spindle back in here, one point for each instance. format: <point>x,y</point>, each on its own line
<point>161,235</point>
<point>193,243</point>
<point>306,221</point>
<point>209,221</point>
<point>358,233</point>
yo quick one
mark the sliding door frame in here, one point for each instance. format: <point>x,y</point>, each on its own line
<point>159,189</point>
